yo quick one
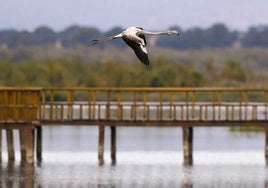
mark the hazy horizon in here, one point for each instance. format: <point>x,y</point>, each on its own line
<point>157,15</point>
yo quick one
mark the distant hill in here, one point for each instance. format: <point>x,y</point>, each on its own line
<point>216,36</point>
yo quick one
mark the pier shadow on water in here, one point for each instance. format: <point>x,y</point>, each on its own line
<point>65,173</point>
<point>17,175</point>
<point>153,160</point>
<point>30,176</point>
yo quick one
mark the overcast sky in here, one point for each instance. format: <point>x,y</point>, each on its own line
<point>149,14</point>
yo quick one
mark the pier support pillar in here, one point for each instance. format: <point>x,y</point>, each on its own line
<point>39,143</point>
<point>27,136</point>
<point>101,144</point>
<point>10,145</point>
<point>187,132</point>
<point>22,146</point>
<point>0,145</point>
<point>113,144</point>
<point>266,145</point>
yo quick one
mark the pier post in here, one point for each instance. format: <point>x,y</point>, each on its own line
<point>39,143</point>
<point>27,143</point>
<point>0,145</point>
<point>113,144</point>
<point>101,144</point>
<point>10,145</point>
<point>22,146</point>
<point>187,132</point>
<point>266,145</point>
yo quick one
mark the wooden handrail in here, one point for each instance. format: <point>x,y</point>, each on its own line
<point>133,104</point>
<point>19,105</point>
<point>163,104</point>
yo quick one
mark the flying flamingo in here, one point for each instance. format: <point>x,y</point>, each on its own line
<point>135,38</point>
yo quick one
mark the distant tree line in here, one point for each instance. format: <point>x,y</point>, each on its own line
<point>75,72</point>
<point>218,35</point>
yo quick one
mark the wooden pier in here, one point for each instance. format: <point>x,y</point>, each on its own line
<point>19,110</point>
<point>28,109</point>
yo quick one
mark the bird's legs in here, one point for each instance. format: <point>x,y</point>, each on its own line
<point>96,41</point>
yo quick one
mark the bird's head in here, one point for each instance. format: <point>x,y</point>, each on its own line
<point>170,32</point>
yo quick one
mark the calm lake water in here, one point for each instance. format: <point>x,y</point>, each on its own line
<point>146,157</point>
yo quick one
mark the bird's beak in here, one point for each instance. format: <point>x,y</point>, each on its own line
<point>175,32</point>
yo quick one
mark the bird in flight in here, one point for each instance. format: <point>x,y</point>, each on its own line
<point>135,38</point>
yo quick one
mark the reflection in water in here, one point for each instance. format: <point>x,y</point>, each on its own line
<point>82,170</point>
<point>150,157</point>
<point>187,179</point>
<point>17,175</point>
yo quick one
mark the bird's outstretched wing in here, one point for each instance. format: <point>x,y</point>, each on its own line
<point>139,49</point>
<point>142,36</point>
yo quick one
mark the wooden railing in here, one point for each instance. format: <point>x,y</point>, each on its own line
<point>19,105</point>
<point>133,105</point>
<point>89,105</point>
<point>27,109</point>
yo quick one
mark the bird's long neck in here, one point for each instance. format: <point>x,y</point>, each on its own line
<point>155,33</point>
<point>169,32</point>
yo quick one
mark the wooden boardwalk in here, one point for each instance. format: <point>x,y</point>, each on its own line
<point>153,106</point>
<point>28,109</point>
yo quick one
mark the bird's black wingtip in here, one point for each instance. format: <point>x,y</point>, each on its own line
<point>94,41</point>
<point>146,62</point>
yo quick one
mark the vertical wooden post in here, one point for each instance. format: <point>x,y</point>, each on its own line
<point>22,146</point>
<point>0,145</point>
<point>27,135</point>
<point>266,145</point>
<point>101,144</point>
<point>10,145</point>
<point>39,143</point>
<point>113,144</point>
<point>187,132</point>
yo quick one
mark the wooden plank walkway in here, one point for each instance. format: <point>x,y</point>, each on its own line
<point>28,109</point>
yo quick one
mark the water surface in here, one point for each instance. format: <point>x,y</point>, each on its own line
<point>146,157</point>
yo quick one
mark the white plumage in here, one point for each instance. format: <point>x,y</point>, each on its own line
<point>135,38</point>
